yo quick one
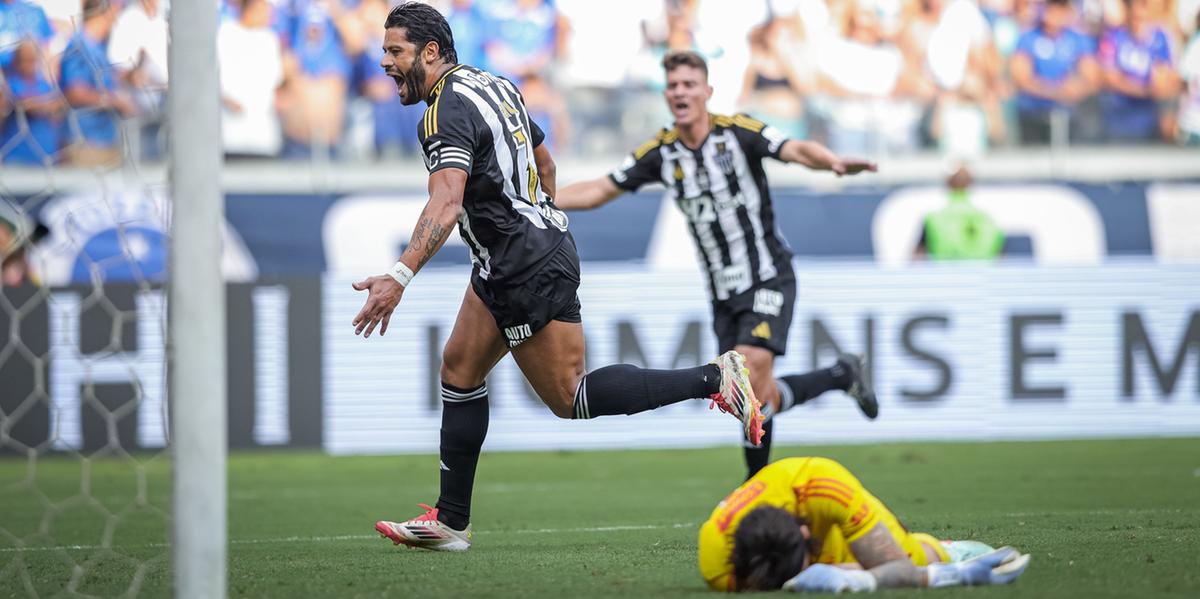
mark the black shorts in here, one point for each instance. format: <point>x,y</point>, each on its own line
<point>759,317</point>
<point>523,309</point>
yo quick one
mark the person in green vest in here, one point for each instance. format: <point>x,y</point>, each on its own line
<point>960,230</point>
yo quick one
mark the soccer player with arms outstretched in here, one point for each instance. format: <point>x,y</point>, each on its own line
<point>712,167</point>
<point>490,175</point>
<point>807,524</point>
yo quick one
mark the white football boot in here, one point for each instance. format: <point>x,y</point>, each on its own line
<point>426,532</point>
<point>736,397</point>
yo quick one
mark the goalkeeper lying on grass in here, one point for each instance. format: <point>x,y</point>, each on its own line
<point>807,524</point>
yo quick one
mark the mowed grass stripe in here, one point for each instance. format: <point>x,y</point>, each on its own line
<point>538,531</point>
<point>1102,519</point>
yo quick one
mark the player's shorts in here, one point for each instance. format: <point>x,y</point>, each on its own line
<point>759,317</point>
<point>523,309</point>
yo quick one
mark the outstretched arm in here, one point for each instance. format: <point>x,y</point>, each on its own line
<point>882,557</point>
<point>886,565</point>
<point>433,227</point>
<point>586,195</point>
<point>818,157</point>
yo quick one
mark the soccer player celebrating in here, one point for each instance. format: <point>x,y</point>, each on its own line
<point>712,166</point>
<point>807,524</point>
<point>490,174</point>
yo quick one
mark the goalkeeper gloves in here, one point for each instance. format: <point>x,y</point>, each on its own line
<point>824,578</point>
<point>1001,566</point>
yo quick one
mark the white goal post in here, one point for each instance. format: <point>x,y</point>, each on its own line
<point>196,306</point>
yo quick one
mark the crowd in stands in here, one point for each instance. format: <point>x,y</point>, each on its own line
<point>84,81</point>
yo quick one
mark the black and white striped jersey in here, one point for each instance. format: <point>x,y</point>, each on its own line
<point>477,122</point>
<point>722,190</point>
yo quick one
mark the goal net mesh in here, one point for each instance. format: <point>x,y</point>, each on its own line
<point>85,486</point>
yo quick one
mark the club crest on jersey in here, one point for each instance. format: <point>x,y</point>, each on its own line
<point>724,158</point>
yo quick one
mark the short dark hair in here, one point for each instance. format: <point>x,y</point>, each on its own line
<point>768,549</point>
<point>423,24</point>
<point>682,58</point>
<point>1066,3</point>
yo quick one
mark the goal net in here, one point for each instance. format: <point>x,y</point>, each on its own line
<point>99,478</point>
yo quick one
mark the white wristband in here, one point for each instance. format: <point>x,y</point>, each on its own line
<point>402,273</point>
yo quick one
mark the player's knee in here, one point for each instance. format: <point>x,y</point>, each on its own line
<point>561,404</point>
<point>457,370</point>
<point>565,411</point>
<point>762,369</point>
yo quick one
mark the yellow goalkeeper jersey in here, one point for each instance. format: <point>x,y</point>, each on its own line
<point>822,492</point>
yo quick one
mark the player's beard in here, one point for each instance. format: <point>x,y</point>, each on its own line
<point>411,78</point>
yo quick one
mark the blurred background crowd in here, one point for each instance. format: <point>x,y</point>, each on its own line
<point>84,81</point>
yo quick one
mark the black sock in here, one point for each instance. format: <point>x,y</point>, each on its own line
<point>464,425</point>
<point>799,388</point>
<point>627,389</point>
<point>758,457</point>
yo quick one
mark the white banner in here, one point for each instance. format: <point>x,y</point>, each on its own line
<point>958,352</point>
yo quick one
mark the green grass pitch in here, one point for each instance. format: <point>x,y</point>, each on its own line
<point>1101,518</point>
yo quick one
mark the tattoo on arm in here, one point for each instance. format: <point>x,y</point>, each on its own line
<point>418,236</point>
<point>427,239</point>
<point>879,553</point>
<point>437,234</point>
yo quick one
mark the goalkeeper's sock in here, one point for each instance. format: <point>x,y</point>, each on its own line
<point>798,388</point>
<point>464,426</point>
<point>627,389</point>
<point>758,457</point>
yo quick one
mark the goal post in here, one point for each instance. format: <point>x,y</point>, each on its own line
<point>196,321</point>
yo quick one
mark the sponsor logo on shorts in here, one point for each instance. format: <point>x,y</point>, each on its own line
<point>516,335</point>
<point>762,331</point>
<point>768,301</point>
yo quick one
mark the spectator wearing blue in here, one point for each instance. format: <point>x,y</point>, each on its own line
<point>394,125</point>
<point>1054,68</point>
<point>320,39</point>
<point>21,20</point>
<point>1138,75</point>
<point>1189,101</point>
<point>523,37</point>
<point>91,131</point>
<point>30,134</point>
<point>469,25</point>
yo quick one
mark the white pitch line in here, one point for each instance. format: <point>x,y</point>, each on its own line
<point>616,528</point>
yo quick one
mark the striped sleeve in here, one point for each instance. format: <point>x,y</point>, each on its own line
<point>447,134</point>
<point>642,167</point>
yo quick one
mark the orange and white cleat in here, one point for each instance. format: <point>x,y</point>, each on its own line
<point>736,397</point>
<point>426,532</point>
